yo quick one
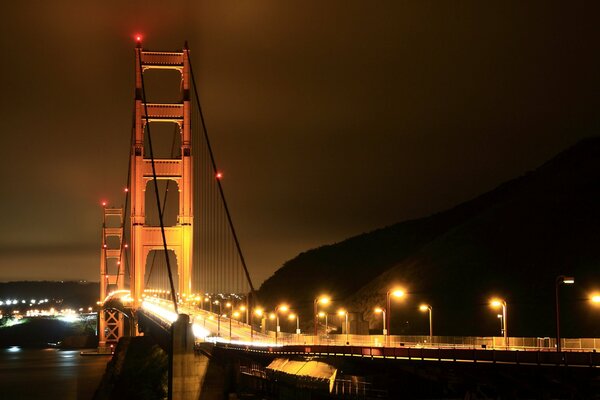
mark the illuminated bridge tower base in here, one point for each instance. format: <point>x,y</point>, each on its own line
<point>111,276</point>
<point>179,237</point>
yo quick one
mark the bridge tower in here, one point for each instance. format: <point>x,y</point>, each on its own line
<point>112,275</point>
<point>179,237</point>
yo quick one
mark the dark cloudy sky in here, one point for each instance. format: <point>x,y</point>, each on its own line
<point>329,118</point>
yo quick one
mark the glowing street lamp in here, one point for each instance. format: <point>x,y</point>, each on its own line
<point>344,313</point>
<point>496,303</point>
<point>383,320</point>
<point>323,300</point>
<point>595,298</point>
<point>427,307</point>
<point>259,313</point>
<point>398,293</point>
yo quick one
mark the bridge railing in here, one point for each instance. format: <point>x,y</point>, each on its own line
<point>467,342</point>
<point>457,342</point>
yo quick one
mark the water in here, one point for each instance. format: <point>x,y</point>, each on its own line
<point>49,374</point>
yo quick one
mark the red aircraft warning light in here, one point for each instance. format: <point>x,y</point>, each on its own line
<point>103,203</point>
<point>219,175</point>
<point>138,38</point>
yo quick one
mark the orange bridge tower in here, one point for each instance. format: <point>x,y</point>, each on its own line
<point>179,237</point>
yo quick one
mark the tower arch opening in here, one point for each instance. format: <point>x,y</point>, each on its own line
<point>166,140</point>
<point>156,272</point>
<point>168,193</point>
<point>163,86</point>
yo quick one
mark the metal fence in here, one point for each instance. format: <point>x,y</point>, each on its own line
<point>468,342</point>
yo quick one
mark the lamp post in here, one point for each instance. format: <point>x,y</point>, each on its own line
<point>501,303</point>
<point>561,279</point>
<point>243,310</point>
<point>230,318</point>
<point>293,316</point>
<point>323,300</point>
<point>383,320</point>
<point>272,318</point>
<point>219,325</point>
<point>344,313</point>
<point>501,324</point>
<point>427,307</point>
<point>321,315</point>
<point>398,293</point>
<point>259,312</point>
<point>282,308</point>
<point>219,318</point>
<point>235,315</point>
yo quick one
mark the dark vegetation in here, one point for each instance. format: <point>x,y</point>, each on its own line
<point>511,242</point>
<point>138,370</point>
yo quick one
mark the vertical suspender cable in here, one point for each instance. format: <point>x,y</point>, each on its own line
<point>124,216</point>
<point>214,166</point>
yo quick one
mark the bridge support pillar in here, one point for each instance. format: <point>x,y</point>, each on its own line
<point>185,376</point>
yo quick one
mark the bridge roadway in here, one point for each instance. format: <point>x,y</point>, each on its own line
<point>209,327</point>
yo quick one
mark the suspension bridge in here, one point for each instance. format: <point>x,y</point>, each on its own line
<point>172,265</point>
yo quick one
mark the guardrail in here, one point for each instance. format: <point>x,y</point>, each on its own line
<point>471,342</point>
<point>540,358</point>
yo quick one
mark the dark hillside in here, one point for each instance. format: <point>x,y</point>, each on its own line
<point>73,294</point>
<point>512,241</point>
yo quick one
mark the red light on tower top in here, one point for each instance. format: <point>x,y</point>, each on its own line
<point>103,203</point>
<point>138,38</point>
<point>219,175</point>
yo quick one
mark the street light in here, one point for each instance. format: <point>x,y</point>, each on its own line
<point>427,307</point>
<point>398,293</point>
<point>595,298</point>
<point>323,300</point>
<point>561,279</point>
<point>259,313</point>
<point>321,315</point>
<point>344,313</point>
<point>382,311</point>
<point>501,303</point>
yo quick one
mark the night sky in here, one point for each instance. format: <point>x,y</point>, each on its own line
<point>328,118</point>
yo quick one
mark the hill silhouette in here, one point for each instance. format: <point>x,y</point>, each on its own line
<point>511,242</point>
